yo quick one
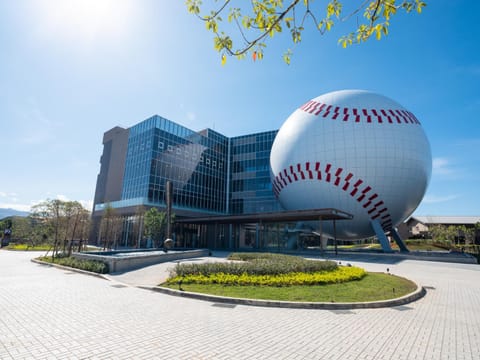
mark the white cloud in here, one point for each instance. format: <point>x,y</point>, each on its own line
<point>4,194</point>
<point>432,199</point>
<point>87,204</point>
<point>13,203</point>
<point>15,206</point>
<point>62,198</point>
<point>442,166</point>
<point>191,116</point>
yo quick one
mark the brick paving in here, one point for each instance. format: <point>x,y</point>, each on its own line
<point>49,313</point>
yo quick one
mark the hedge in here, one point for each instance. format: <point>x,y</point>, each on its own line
<point>264,269</point>
<point>87,265</point>
<point>256,264</point>
<point>339,275</point>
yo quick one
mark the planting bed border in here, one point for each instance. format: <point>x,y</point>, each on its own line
<point>406,299</point>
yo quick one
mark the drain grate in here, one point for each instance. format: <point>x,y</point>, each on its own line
<point>402,308</point>
<point>342,312</point>
<point>429,287</point>
<point>228,306</point>
<point>118,286</point>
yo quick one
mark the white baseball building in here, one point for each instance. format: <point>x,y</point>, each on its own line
<point>355,151</point>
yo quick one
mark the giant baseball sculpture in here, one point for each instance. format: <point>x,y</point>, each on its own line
<point>355,151</point>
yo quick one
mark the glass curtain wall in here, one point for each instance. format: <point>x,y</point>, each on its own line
<point>196,163</point>
<point>251,187</point>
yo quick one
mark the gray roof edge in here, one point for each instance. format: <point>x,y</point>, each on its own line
<point>446,219</point>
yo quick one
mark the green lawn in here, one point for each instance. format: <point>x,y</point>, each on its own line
<point>373,287</point>
<point>29,247</point>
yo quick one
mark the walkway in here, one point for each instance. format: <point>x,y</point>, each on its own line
<point>47,313</point>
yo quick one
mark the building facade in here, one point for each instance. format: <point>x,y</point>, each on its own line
<point>211,175</point>
<point>418,227</point>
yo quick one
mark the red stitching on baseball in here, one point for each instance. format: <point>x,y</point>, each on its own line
<point>364,191</point>
<point>337,176</point>
<point>382,115</point>
<point>327,171</point>
<point>298,172</point>
<point>293,173</point>
<point>319,172</point>
<point>307,167</point>
<point>299,168</point>
<point>347,182</point>
<point>355,186</point>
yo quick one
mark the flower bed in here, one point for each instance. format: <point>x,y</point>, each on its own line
<point>265,269</point>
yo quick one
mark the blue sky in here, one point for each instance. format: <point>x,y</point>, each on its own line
<point>71,70</point>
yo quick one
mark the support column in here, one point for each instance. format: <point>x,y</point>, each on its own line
<point>320,235</point>
<point>382,238</point>
<point>401,244</point>
<point>335,236</point>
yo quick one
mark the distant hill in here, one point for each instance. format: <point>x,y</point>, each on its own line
<point>12,212</point>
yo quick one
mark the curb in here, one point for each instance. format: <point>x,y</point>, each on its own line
<point>416,295</point>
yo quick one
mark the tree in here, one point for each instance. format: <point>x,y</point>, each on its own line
<point>30,230</point>
<point>77,217</point>
<point>267,18</point>
<point>64,221</point>
<point>155,223</point>
<point>50,213</point>
<point>110,227</point>
<point>84,229</point>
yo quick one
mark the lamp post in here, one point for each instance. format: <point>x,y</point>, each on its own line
<point>168,243</point>
<point>335,236</point>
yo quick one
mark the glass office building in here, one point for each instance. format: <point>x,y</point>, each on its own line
<point>196,163</point>
<point>211,175</point>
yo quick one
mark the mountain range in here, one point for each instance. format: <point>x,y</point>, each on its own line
<point>12,212</point>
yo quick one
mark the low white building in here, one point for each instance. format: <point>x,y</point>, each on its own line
<point>416,226</point>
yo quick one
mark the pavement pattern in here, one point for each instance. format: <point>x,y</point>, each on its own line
<point>50,313</point>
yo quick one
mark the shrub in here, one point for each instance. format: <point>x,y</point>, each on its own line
<point>265,269</point>
<point>339,275</point>
<point>87,265</point>
<point>256,264</point>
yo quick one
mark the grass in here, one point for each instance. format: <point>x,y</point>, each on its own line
<point>420,245</point>
<point>29,247</point>
<point>40,247</point>
<point>372,287</point>
<point>412,245</point>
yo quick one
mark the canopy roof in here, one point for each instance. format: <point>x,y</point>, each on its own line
<point>279,216</point>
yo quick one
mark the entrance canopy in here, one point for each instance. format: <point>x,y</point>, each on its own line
<point>279,216</point>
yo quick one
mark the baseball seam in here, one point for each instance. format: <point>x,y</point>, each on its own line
<point>380,116</point>
<point>346,181</point>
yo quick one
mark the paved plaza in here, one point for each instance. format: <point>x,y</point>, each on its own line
<point>50,313</point>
